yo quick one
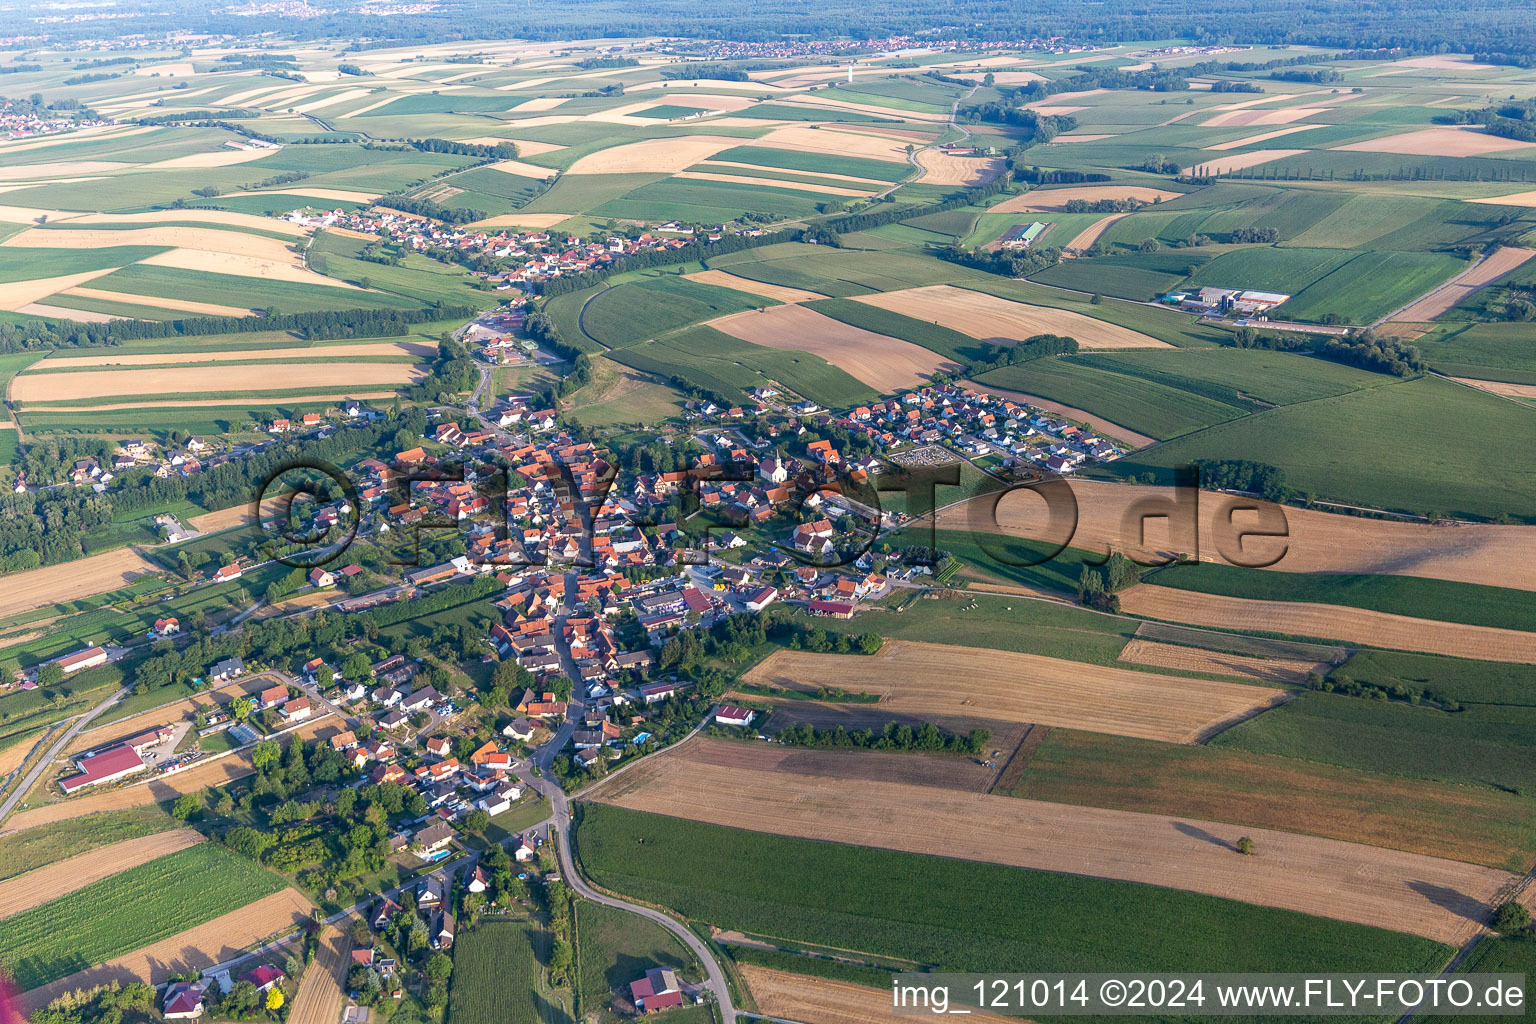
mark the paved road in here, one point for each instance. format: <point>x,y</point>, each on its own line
<point>58,745</point>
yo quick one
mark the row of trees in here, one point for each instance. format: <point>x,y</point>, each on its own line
<point>895,736</point>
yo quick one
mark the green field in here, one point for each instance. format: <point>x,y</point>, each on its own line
<point>496,973</point>
<point>971,916</point>
<point>1495,954</point>
<point>1246,378</point>
<point>1494,683</point>
<point>149,902</point>
<point>642,309</point>
<point>614,947</point>
<point>713,360</point>
<point>1497,351</point>
<point>1414,596</point>
<point>1145,406</point>
<point>1406,445</point>
<point>937,338</point>
<point>1481,746</point>
<point>34,848</point>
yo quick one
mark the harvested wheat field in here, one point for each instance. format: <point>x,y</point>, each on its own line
<point>209,240</point>
<point>1056,199</point>
<point>39,172</point>
<point>1499,387</point>
<point>1098,423</point>
<point>1514,199</point>
<point>333,194</point>
<point>322,991</point>
<point>885,364</point>
<point>180,305</point>
<point>220,940</point>
<point>1108,515</point>
<point>39,388</point>
<point>247,220</point>
<point>1461,287</point>
<point>243,266</point>
<point>35,888</point>
<point>941,770</point>
<point>523,220</point>
<point>1451,141</point>
<point>1284,115</point>
<point>840,143</point>
<point>524,147</point>
<point>1192,659</point>
<point>989,318</point>
<point>197,403</point>
<point>653,156</point>
<point>812,1000</point>
<point>923,680</point>
<point>1239,162</point>
<point>70,581</point>
<point>525,170</point>
<point>741,284</point>
<point>1086,237</point>
<point>194,780</point>
<point>940,168</point>
<point>820,188</point>
<point>417,349</point>
<point>15,295</point>
<point>1331,622</point>
<point>1440,899</point>
<point>15,755</point>
<point>1254,140</point>
<point>825,100</point>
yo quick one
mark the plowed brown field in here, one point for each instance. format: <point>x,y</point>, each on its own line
<point>824,1001</point>
<point>927,680</point>
<point>1440,899</point>
<point>35,888</point>
<point>1192,659</point>
<point>195,949</point>
<point>1331,622</point>
<point>1108,516</point>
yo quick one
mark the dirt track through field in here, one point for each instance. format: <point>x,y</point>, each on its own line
<point>1331,622</point>
<point>70,581</point>
<point>1109,516</point>
<point>780,292</point>
<point>35,888</point>
<point>196,949</point>
<point>926,680</point>
<point>1440,899</point>
<point>40,388</point>
<point>193,780</point>
<point>1463,286</point>
<point>989,318</point>
<point>1192,659</point>
<point>322,991</point>
<point>884,363</point>
<point>802,997</point>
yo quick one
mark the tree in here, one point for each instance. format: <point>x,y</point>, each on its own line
<point>187,806</point>
<point>476,821</point>
<point>242,708</point>
<point>274,1000</point>
<point>357,666</point>
<point>438,968</point>
<point>1511,917</point>
<point>50,674</point>
<point>266,754</point>
<point>1245,846</point>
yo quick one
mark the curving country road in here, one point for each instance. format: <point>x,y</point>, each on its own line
<point>59,744</point>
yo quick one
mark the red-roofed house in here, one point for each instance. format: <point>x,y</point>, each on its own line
<point>730,715</point>
<point>658,990</point>
<point>107,766</point>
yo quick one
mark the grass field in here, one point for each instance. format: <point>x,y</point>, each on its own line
<point>1405,445</point>
<point>1264,790</point>
<point>984,917</point>
<point>1496,954</point>
<point>1454,679</point>
<point>149,903</point>
<point>946,341</point>
<point>496,968</point>
<point>642,309</point>
<point>1246,378</point>
<point>1479,746</point>
<point>614,947</point>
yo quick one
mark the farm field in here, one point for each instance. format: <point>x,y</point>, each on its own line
<point>816,1000</point>
<point>496,969</point>
<point>1189,659</point>
<point>1331,622</point>
<point>322,991</point>
<point>1348,882</point>
<point>69,934</point>
<point>46,884</point>
<point>71,581</point>
<point>216,941</point>
<point>1032,920</point>
<point>616,947</point>
<point>913,680</point>
<point>989,318</point>
<point>1335,448</point>
<point>1221,783</point>
<point>23,851</point>
<point>885,364</point>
